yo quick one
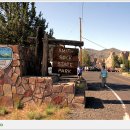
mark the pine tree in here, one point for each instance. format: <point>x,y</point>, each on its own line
<point>115,61</point>
<point>50,34</point>
<point>129,65</point>
<point>85,58</point>
<point>125,63</point>
<point>18,21</point>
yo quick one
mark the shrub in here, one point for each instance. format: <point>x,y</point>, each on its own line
<point>33,115</point>
<point>19,105</point>
<point>79,88</point>
<point>3,111</point>
<point>50,109</point>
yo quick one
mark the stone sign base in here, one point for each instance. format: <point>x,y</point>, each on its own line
<point>14,88</point>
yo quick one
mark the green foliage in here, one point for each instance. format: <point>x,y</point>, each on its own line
<point>129,63</point>
<point>18,20</point>
<point>49,106</point>
<point>3,111</point>
<point>95,60</point>
<point>80,86</point>
<point>19,105</point>
<point>85,58</point>
<point>115,61</point>
<point>50,34</point>
<point>33,115</point>
<point>120,60</point>
<point>50,110</point>
<point>126,64</point>
<point>123,69</point>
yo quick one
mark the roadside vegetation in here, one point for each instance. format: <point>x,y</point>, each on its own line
<point>3,111</point>
<point>43,112</point>
<point>126,74</point>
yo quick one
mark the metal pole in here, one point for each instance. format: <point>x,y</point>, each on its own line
<point>80,40</point>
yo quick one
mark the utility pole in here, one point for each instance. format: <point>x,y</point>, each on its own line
<point>80,40</point>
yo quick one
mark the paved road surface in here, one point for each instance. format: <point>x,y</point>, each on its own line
<point>110,103</point>
<point>121,85</point>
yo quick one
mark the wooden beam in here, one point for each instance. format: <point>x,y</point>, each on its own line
<point>45,56</point>
<point>65,42</point>
<point>38,50</point>
<point>60,42</point>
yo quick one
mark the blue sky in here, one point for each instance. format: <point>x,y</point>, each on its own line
<point>107,24</point>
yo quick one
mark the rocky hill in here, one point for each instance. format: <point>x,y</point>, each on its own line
<point>103,54</point>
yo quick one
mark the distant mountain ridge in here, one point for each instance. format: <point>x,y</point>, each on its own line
<point>103,54</point>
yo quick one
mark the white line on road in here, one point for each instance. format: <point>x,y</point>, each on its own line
<point>126,115</point>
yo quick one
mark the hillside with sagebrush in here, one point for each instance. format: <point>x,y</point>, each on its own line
<point>103,53</point>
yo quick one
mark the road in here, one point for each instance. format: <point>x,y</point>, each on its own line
<point>109,103</point>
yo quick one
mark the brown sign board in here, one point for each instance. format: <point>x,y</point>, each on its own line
<point>65,60</point>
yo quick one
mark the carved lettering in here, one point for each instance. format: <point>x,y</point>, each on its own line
<point>62,50</point>
<point>65,57</point>
<point>66,71</point>
<point>64,64</point>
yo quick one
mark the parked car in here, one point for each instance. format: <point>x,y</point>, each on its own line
<point>97,69</point>
<point>112,70</point>
<point>92,68</point>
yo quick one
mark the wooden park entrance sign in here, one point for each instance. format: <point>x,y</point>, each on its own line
<point>65,60</point>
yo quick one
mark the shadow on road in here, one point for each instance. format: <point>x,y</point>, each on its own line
<point>119,87</point>
<point>96,86</point>
<point>94,103</point>
<point>115,101</point>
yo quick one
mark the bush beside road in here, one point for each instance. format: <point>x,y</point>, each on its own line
<point>126,74</point>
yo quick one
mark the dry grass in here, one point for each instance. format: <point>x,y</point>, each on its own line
<point>44,112</point>
<point>60,114</point>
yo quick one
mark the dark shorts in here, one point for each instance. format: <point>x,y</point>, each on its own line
<point>79,74</point>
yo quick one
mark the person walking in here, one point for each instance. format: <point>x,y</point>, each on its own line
<point>103,76</point>
<point>79,71</point>
<point>85,68</point>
